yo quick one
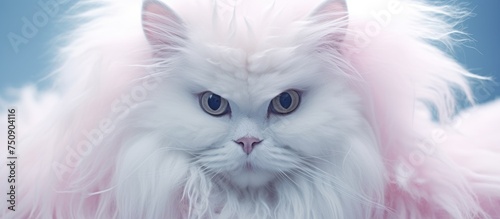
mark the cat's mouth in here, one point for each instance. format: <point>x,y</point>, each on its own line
<point>259,168</point>
<point>250,174</point>
<point>251,177</point>
<point>248,167</point>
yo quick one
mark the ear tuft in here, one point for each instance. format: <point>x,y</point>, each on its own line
<point>334,11</point>
<point>161,25</point>
<point>338,7</point>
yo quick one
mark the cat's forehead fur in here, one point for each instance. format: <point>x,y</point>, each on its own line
<point>245,77</point>
<point>243,50</point>
<point>253,26</point>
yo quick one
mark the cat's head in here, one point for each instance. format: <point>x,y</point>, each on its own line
<point>258,110</point>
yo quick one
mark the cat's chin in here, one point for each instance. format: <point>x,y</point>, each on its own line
<point>251,178</point>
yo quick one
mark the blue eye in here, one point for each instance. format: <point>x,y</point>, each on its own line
<point>285,103</point>
<point>214,104</point>
<point>285,100</point>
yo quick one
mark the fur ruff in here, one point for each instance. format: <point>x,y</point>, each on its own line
<point>398,162</point>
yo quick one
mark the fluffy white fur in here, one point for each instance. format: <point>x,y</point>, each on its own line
<point>128,139</point>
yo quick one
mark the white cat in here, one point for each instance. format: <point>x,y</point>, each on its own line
<point>260,109</point>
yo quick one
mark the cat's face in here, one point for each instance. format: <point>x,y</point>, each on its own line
<point>294,113</point>
<point>256,117</point>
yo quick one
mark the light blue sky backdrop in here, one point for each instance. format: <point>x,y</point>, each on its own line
<point>32,61</point>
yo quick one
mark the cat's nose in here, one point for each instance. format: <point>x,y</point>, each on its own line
<point>248,143</point>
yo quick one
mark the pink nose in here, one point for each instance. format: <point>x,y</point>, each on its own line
<point>248,143</point>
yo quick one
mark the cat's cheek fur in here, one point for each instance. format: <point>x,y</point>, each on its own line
<point>146,163</point>
<point>328,116</point>
<point>176,113</point>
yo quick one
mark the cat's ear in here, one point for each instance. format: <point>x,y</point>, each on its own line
<point>335,13</point>
<point>163,29</point>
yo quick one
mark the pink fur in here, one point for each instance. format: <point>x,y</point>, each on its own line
<point>417,167</point>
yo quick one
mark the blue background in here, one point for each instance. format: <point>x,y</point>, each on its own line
<point>33,60</point>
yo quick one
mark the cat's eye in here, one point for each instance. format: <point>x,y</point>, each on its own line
<point>285,103</point>
<point>214,104</point>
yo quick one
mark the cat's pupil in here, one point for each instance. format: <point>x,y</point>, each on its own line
<point>214,102</point>
<point>285,100</point>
